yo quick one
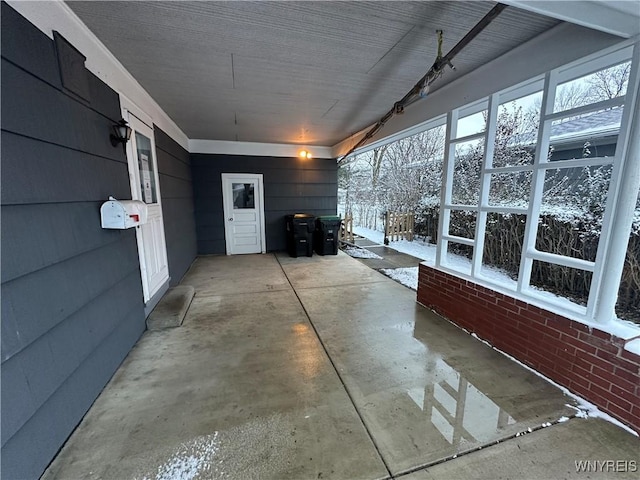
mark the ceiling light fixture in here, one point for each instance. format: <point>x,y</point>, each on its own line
<point>305,154</point>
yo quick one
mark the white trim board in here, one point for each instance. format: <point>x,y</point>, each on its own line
<point>256,149</point>
<point>620,18</point>
<point>56,15</point>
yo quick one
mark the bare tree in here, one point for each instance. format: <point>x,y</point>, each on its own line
<point>608,83</point>
<point>602,85</point>
<point>375,162</point>
<point>412,170</point>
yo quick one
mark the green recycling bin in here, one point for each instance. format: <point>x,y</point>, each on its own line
<point>325,240</point>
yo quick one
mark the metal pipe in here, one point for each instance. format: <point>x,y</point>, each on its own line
<point>433,72</point>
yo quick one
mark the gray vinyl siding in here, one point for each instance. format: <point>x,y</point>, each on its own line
<point>71,292</point>
<point>176,188</point>
<point>291,185</point>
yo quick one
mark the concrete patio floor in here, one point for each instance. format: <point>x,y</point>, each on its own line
<point>315,368</point>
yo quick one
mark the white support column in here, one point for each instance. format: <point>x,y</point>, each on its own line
<point>622,205</point>
<point>447,185</point>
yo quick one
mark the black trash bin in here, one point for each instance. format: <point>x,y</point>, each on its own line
<point>300,228</point>
<point>325,240</point>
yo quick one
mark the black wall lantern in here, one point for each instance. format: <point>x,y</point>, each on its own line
<point>121,133</point>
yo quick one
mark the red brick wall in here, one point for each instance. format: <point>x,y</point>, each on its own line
<point>589,362</point>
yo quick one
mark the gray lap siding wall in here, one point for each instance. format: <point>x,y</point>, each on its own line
<point>72,303</point>
<point>291,185</point>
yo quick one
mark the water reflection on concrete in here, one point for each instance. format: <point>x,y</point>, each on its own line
<point>458,410</point>
<point>425,389</point>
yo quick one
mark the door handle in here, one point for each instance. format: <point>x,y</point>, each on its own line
<point>231,219</point>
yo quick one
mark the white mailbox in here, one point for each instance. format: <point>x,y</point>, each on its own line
<point>123,213</point>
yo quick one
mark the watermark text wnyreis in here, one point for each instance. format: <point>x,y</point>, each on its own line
<point>606,466</point>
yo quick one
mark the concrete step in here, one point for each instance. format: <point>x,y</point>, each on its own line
<point>172,308</point>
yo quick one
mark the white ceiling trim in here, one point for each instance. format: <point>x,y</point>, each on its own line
<point>56,15</point>
<point>621,18</point>
<point>224,147</point>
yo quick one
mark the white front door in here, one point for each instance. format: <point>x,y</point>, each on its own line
<point>145,186</point>
<point>243,202</point>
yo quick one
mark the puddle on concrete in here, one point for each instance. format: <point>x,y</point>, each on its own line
<point>460,412</point>
<point>425,389</point>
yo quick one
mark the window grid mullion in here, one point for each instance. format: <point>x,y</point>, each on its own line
<point>460,207</point>
<point>485,184</point>
<point>576,163</point>
<point>584,109</point>
<point>447,186</point>
<point>511,169</point>
<point>468,138</point>
<point>537,183</point>
<point>457,239</point>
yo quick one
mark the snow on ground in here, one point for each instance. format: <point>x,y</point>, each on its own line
<point>497,278</point>
<point>190,460</point>
<point>406,276</point>
<point>417,248</point>
<point>356,252</point>
<point>373,235</point>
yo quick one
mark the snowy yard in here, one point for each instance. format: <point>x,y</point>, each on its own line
<point>406,276</point>
<point>357,252</point>
<point>418,248</point>
<point>494,277</point>
<point>427,252</point>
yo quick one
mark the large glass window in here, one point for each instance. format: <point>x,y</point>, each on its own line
<point>519,188</point>
<point>471,124</point>
<point>517,131</point>
<point>603,84</point>
<point>530,220</point>
<point>510,189</point>
<point>463,224</point>
<point>628,305</point>
<point>466,172</point>
<point>459,257</point>
<point>503,240</point>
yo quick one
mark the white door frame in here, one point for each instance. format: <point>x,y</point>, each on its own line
<point>227,206</point>
<point>138,120</point>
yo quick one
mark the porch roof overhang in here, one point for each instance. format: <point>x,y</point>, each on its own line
<point>246,77</point>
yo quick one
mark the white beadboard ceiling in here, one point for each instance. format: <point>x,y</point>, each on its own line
<point>311,72</point>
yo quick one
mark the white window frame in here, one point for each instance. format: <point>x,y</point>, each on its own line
<point>548,84</point>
